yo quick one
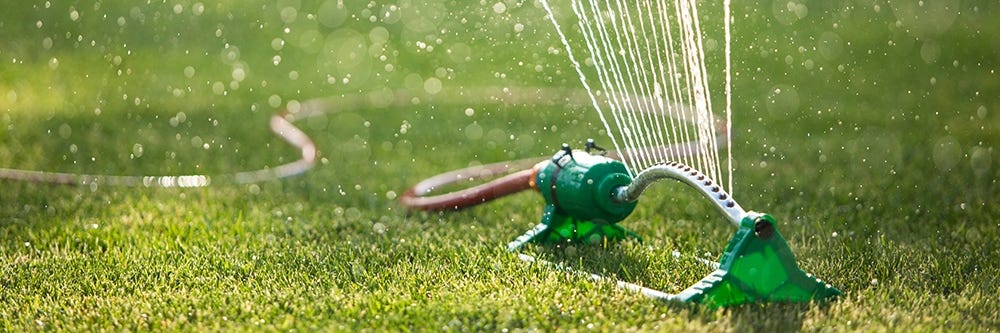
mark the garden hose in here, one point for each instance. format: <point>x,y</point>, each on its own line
<point>417,197</point>
<point>514,176</point>
<point>282,125</point>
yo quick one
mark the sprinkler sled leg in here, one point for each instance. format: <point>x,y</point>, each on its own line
<point>757,266</point>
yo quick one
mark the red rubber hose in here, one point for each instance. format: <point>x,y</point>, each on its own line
<point>417,197</point>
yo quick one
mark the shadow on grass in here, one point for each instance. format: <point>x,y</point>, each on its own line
<point>771,317</point>
<point>618,261</point>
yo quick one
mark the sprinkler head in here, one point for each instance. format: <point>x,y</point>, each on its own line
<point>578,189</point>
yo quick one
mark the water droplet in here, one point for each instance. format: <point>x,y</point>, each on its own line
<point>947,152</point>
<point>930,52</point>
<point>239,74</point>
<point>137,150</point>
<point>331,13</point>
<point>474,131</point>
<point>196,141</point>
<point>198,8</point>
<point>783,99</point>
<point>379,228</point>
<point>274,101</point>
<point>830,45</point>
<point>432,85</point>
<point>65,131</point>
<point>800,10</point>
<point>981,160</point>
<point>218,88</point>
<point>499,7</point>
<point>289,14</point>
<point>352,213</point>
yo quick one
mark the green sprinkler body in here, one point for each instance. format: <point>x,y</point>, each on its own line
<point>578,187</point>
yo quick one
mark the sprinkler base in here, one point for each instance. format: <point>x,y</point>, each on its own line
<point>757,266</point>
<point>558,227</point>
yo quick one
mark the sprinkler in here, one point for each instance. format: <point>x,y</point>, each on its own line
<point>587,193</point>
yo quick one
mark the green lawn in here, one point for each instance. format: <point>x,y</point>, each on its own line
<point>868,129</point>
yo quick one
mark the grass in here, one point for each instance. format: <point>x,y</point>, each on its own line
<point>867,129</point>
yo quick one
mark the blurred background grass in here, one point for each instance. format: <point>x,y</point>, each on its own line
<point>866,127</point>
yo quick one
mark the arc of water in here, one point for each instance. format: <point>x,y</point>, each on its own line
<point>609,75</point>
<point>649,62</point>
<point>727,28</point>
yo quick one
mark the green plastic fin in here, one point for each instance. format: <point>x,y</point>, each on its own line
<point>758,266</point>
<point>558,227</point>
<point>563,228</point>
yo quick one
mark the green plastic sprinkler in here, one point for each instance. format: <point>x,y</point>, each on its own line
<point>586,195</point>
<point>575,185</point>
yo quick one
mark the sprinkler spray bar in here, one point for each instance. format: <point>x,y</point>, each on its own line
<point>674,170</point>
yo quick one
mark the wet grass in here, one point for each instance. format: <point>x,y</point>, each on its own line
<point>870,136</point>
